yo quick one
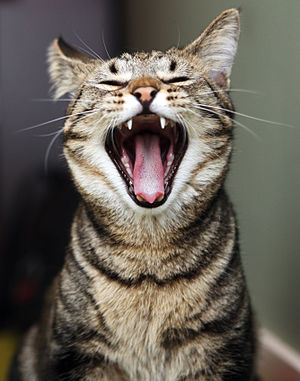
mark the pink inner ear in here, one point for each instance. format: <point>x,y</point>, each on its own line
<point>220,79</point>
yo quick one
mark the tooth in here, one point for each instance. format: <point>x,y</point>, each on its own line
<point>129,171</point>
<point>140,198</point>
<point>162,122</point>
<point>159,198</point>
<point>129,124</point>
<point>172,123</point>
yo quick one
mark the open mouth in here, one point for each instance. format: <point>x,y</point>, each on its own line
<point>147,151</point>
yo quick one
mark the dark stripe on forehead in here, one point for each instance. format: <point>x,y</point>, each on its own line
<point>113,68</point>
<point>173,65</point>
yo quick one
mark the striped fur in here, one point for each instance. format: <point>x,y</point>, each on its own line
<point>148,294</point>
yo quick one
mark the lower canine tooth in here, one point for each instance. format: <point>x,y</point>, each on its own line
<point>140,198</point>
<point>159,198</point>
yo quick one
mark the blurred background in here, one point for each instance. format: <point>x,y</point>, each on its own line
<point>37,198</point>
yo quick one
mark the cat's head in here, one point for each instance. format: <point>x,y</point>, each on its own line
<point>149,130</point>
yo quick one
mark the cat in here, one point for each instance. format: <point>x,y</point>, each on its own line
<point>152,288</point>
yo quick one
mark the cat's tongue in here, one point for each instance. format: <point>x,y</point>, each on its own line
<point>148,172</point>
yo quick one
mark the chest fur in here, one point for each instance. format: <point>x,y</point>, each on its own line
<point>140,314</point>
<point>140,317</point>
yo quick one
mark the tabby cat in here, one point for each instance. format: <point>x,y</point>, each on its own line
<point>152,288</point>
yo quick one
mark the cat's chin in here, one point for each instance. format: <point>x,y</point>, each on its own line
<point>147,151</point>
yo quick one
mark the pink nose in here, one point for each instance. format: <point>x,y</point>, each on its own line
<point>145,94</point>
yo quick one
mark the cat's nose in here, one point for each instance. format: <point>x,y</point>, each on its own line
<point>145,94</point>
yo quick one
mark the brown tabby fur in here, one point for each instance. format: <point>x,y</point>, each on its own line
<point>149,294</point>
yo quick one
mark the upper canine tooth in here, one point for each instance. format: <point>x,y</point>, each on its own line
<point>129,124</point>
<point>162,122</point>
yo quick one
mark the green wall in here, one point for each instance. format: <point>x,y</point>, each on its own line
<point>264,182</point>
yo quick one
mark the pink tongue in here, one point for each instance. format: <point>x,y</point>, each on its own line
<point>148,172</point>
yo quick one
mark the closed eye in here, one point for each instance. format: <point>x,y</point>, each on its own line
<point>176,79</point>
<point>113,83</point>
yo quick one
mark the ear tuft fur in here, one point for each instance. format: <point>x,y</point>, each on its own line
<point>68,68</point>
<point>216,46</point>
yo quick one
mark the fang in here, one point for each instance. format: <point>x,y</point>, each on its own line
<point>162,122</point>
<point>129,124</point>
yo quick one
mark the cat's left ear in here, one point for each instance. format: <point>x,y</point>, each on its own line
<point>68,68</point>
<point>217,45</point>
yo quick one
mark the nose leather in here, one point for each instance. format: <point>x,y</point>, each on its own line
<point>145,94</point>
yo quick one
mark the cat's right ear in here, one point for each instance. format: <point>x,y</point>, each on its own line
<point>68,68</point>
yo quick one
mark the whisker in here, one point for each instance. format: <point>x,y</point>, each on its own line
<point>78,120</point>
<point>50,134</point>
<point>184,121</point>
<point>86,51</point>
<point>88,47</point>
<point>202,107</point>
<point>247,116</point>
<point>111,132</point>
<point>112,124</point>
<point>104,44</point>
<point>53,100</point>
<point>195,113</point>
<point>42,124</point>
<point>109,128</point>
<point>232,90</point>
<point>181,118</point>
<point>85,116</point>
<point>179,36</point>
<point>52,121</point>
<point>49,148</point>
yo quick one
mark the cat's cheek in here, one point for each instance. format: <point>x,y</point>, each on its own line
<point>96,176</point>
